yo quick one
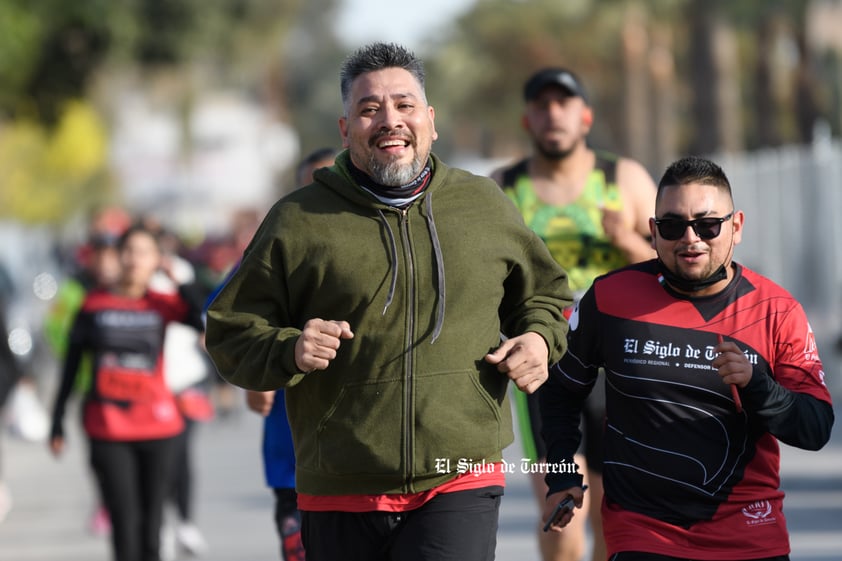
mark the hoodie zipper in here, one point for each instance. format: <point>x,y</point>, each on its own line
<point>408,393</point>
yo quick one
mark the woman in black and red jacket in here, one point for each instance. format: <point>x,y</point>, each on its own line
<point>129,414</point>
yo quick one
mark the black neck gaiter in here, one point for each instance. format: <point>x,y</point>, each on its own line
<point>691,285</point>
<point>407,191</point>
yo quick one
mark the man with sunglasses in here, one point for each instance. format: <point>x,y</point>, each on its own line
<point>708,365</point>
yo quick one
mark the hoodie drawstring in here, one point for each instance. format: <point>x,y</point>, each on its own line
<point>434,238</point>
<point>393,250</point>
<point>393,265</point>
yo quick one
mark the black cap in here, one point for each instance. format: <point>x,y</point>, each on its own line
<point>553,77</point>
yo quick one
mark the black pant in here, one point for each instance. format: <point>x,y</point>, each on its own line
<point>181,490</point>
<point>134,478</point>
<point>643,556</point>
<point>460,526</point>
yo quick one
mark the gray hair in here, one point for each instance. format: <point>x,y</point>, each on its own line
<point>378,56</point>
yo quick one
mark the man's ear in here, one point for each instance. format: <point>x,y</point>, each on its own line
<point>587,116</point>
<point>652,227</point>
<point>343,131</point>
<point>737,222</point>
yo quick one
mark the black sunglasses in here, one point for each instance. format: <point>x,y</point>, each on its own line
<point>672,229</point>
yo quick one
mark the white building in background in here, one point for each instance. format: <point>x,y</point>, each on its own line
<point>192,172</point>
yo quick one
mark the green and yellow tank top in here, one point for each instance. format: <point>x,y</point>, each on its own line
<point>573,233</point>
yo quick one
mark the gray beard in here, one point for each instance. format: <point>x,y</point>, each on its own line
<point>393,174</point>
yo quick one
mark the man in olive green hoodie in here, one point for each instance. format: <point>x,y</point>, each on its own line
<point>377,296</point>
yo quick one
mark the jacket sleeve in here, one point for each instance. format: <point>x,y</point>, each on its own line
<point>193,297</point>
<point>792,402</point>
<point>248,334</point>
<point>561,411</point>
<point>797,419</point>
<point>70,369</point>
<point>562,397</point>
<point>536,294</point>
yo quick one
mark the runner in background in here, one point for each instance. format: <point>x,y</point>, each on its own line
<point>129,415</point>
<point>97,264</point>
<point>592,209</point>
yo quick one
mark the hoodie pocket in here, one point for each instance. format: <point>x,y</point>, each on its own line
<point>461,416</point>
<point>361,432</point>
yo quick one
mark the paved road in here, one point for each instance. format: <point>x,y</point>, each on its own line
<point>52,501</point>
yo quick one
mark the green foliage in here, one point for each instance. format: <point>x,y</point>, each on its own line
<point>20,29</point>
<point>49,173</point>
<point>49,49</point>
<point>52,143</point>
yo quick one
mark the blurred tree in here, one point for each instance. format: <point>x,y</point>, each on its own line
<point>704,78</point>
<point>312,56</point>
<point>52,143</point>
<point>45,172</point>
<point>50,49</point>
<point>766,129</point>
<point>807,93</point>
<point>164,30</point>
<point>52,52</point>
<point>20,31</point>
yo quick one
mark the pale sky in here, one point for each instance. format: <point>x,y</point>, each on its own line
<point>362,21</point>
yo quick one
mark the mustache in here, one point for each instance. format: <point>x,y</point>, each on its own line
<point>695,248</point>
<point>395,134</point>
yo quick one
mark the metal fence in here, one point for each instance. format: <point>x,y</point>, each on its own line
<point>792,198</point>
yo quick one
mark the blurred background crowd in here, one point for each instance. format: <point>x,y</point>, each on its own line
<point>191,115</point>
